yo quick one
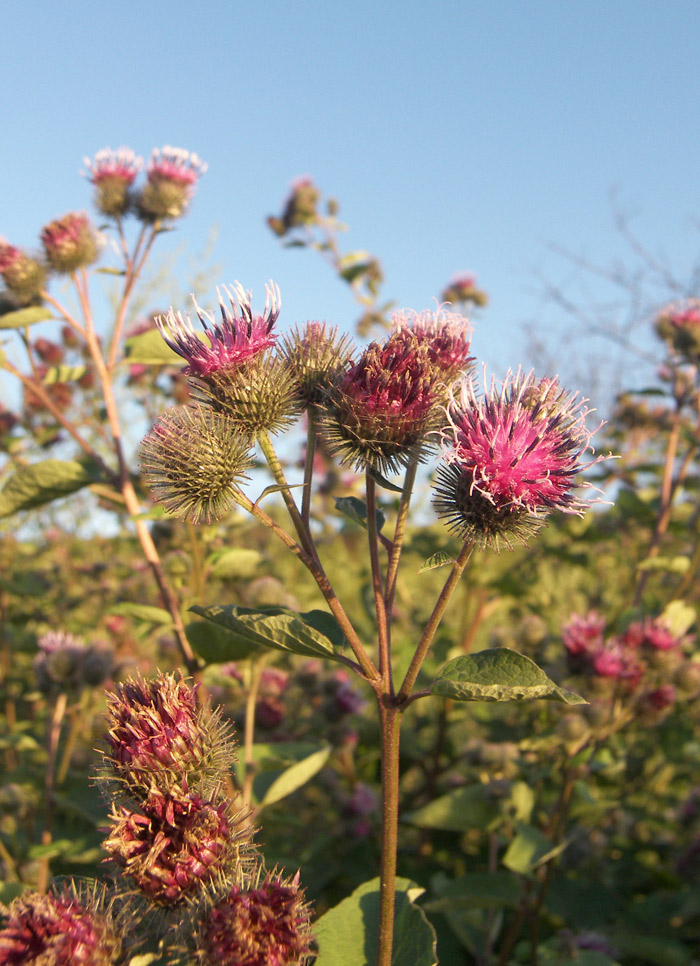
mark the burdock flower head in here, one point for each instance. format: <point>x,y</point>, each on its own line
<point>679,325</point>
<point>463,288</point>
<point>70,243</point>
<point>264,923</point>
<point>382,410</point>
<point>113,173</point>
<point>172,175</point>
<point>67,927</point>
<point>23,275</point>
<point>446,335</point>
<point>194,461</point>
<point>511,457</point>
<point>317,356</point>
<point>175,845</point>
<point>160,735</point>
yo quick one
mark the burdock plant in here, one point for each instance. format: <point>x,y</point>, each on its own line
<point>511,456</point>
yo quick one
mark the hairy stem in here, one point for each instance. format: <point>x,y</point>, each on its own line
<point>390,724</point>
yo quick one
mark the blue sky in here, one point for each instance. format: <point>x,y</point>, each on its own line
<point>456,135</point>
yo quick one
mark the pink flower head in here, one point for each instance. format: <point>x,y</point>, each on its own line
<point>9,255</point>
<point>108,165</point>
<point>511,457</point>
<point>446,334</point>
<point>384,406</point>
<point>70,242</point>
<point>237,338</point>
<point>679,324</point>
<point>462,288</point>
<point>65,927</point>
<point>614,660</point>
<point>661,698</point>
<point>657,634</point>
<point>583,633</point>
<point>175,164</point>
<point>263,925</point>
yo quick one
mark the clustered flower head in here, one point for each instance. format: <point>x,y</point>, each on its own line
<point>171,178</point>
<point>300,207</point>
<point>65,663</point>
<point>235,373</point>
<point>70,243</point>
<point>160,733</point>
<point>511,457</point>
<point>445,334</point>
<point>380,413</point>
<point>67,927</point>
<point>317,355</point>
<point>647,659</point>
<point>113,173</point>
<point>679,325</point>
<point>194,461</point>
<point>264,923</point>
<point>463,288</point>
<point>23,275</point>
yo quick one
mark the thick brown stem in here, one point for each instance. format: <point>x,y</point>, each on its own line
<point>390,722</point>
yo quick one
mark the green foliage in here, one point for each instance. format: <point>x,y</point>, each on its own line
<point>347,934</point>
<point>40,483</point>
<point>498,675</point>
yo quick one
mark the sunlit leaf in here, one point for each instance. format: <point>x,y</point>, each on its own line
<point>498,674</point>
<point>40,483</point>
<point>21,317</point>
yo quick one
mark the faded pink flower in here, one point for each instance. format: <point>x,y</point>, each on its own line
<point>383,408</point>
<point>70,242</point>
<point>236,339</point>
<point>265,925</point>
<point>172,174</point>
<point>661,698</point>
<point>8,255</point>
<point>64,928</point>
<point>446,334</point>
<point>173,845</point>
<point>118,166</point>
<point>614,660</point>
<point>462,287</point>
<point>679,324</point>
<point>511,457</point>
<point>582,634</point>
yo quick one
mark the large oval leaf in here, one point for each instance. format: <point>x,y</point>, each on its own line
<point>348,934</point>
<point>216,645</point>
<point>498,674</point>
<point>282,767</point>
<point>22,317</point>
<point>40,483</point>
<point>312,634</point>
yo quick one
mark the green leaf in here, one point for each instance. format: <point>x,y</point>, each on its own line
<point>458,810</point>
<point>22,317</point>
<point>10,891</point>
<point>679,617</point>
<point>110,271</point>
<point>150,349</point>
<point>498,674</point>
<point>216,645</point>
<point>477,890</point>
<point>439,559</point>
<point>383,482</point>
<point>282,767</point>
<point>530,849</point>
<point>142,612</point>
<point>40,483</point>
<point>63,374</point>
<point>145,959</point>
<point>347,935</point>
<point>312,634</point>
<point>239,562</point>
<point>276,488</point>
<point>353,265</point>
<point>671,565</point>
<point>356,510</point>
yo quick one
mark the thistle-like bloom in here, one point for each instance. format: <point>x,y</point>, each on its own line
<point>447,336</point>
<point>265,924</point>
<point>70,243</point>
<point>239,337</point>
<point>463,288</point>
<point>679,325</point>
<point>112,173</point>
<point>23,275</point>
<point>582,634</point>
<point>65,663</point>
<point>172,175</point>
<point>68,927</point>
<point>175,845</point>
<point>381,412</point>
<point>317,356</point>
<point>194,460</point>
<point>511,457</point>
<point>160,735</point>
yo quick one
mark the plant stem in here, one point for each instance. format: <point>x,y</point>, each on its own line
<point>308,467</point>
<point>54,734</point>
<point>435,618</point>
<point>399,532</point>
<point>390,724</point>
<point>278,474</point>
<point>379,605</point>
<point>256,670</point>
